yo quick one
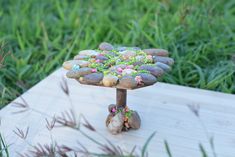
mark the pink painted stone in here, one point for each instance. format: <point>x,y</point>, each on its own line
<point>94,70</point>
<point>129,66</point>
<point>119,69</point>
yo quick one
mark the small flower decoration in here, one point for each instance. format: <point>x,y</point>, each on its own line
<point>126,124</point>
<point>94,70</point>
<point>149,57</point>
<point>97,61</point>
<point>126,109</point>
<point>139,80</point>
<point>113,110</point>
<point>75,67</point>
<point>119,69</point>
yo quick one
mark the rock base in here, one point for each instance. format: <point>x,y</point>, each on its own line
<point>122,119</point>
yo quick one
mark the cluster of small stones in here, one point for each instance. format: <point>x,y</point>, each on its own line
<point>120,67</point>
<point>122,119</point>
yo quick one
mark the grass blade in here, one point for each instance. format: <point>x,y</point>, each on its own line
<point>167,148</point>
<point>144,149</point>
<point>203,151</point>
<point>3,148</point>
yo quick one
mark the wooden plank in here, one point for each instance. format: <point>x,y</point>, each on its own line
<point>162,107</point>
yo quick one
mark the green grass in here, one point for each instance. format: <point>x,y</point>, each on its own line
<point>42,34</point>
<point>3,148</point>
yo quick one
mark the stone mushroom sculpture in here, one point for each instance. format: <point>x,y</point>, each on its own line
<point>123,68</point>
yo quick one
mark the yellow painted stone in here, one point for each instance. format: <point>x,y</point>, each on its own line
<point>110,80</point>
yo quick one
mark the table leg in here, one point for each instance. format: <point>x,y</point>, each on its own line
<point>121,119</point>
<point>121,96</point>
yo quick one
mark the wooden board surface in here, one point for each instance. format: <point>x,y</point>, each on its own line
<point>162,108</point>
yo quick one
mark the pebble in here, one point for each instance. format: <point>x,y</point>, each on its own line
<point>89,52</point>
<point>108,119</point>
<point>139,58</point>
<point>80,57</point>
<point>134,121</point>
<point>110,53</point>
<point>163,66</point>
<point>154,70</point>
<point>68,65</point>
<point>129,67</point>
<point>116,67</point>
<point>128,48</point>
<point>72,74</point>
<point>137,63</point>
<point>135,48</point>
<point>156,52</point>
<point>116,123</point>
<point>78,73</point>
<point>128,71</point>
<point>165,60</point>
<point>110,80</point>
<point>93,78</point>
<point>83,63</point>
<point>101,58</point>
<point>121,49</point>
<point>148,79</point>
<point>127,54</point>
<point>128,82</point>
<point>105,46</point>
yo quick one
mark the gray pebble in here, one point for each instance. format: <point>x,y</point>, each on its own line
<point>156,52</point>
<point>78,73</point>
<point>154,70</point>
<point>134,121</point>
<point>163,66</point>
<point>165,60</point>
<point>93,78</point>
<point>106,46</point>
<point>148,79</point>
<point>128,82</point>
